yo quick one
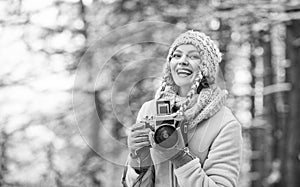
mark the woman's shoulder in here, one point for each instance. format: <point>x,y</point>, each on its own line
<point>208,130</point>
<point>224,116</point>
<point>223,119</point>
<point>147,109</point>
<point>149,105</point>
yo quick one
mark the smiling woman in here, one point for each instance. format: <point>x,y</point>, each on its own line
<point>184,67</point>
<point>199,138</point>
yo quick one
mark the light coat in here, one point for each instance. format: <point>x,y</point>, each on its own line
<point>217,144</point>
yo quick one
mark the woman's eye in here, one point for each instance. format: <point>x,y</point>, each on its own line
<point>176,55</point>
<point>195,57</point>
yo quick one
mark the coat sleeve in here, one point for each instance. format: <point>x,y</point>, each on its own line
<point>221,168</point>
<point>130,177</point>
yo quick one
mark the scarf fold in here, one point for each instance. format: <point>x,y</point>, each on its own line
<point>202,106</point>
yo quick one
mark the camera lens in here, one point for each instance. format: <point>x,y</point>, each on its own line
<point>166,136</point>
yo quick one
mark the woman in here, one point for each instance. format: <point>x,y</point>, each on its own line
<point>212,155</point>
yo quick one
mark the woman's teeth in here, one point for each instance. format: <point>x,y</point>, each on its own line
<point>184,72</point>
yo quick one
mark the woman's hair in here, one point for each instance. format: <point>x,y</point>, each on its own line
<point>210,57</point>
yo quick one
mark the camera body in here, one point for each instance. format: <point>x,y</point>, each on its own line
<point>166,125</point>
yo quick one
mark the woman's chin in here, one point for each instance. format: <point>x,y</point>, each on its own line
<point>183,82</point>
<point>184,79</point>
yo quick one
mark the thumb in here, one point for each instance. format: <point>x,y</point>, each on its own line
<point>151,138</point>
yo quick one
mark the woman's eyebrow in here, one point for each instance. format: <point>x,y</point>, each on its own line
<point>178,50</point>
<point>194,51</point>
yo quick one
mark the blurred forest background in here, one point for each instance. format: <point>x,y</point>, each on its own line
<point>74,74</point>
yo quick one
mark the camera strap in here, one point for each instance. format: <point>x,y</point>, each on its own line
<point>173,178</point>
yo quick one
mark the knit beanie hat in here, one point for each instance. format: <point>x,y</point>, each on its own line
<point>209,52</point>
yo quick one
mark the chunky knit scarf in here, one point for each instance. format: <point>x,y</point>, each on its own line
<point>203,105</point>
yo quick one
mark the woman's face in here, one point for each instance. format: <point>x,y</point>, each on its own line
<point>185,66</point>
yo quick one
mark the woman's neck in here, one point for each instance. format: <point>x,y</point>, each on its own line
<point>184,90</point>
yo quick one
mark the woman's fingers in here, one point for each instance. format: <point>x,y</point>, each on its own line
<point>138,137</point>
<point>141,139</point>
<point>137,126</point>
<point>139,142</point>
<point>140,145</point>
<point>137,133</point>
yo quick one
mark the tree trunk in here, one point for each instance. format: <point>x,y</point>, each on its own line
<point>270,112</point>
<point>255,133</point>
<point>291,167</point>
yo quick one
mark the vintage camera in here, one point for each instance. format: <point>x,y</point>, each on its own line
<point>166,124</point>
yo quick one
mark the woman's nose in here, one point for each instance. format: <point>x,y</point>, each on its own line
<point>183,60</point>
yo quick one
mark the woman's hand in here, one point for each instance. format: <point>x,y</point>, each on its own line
<point>139,144</point>
<point>138,138</point>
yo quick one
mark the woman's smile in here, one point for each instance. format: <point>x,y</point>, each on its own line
<point>184,72</point>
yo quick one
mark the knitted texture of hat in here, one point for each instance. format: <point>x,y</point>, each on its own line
<point>209,52</point>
